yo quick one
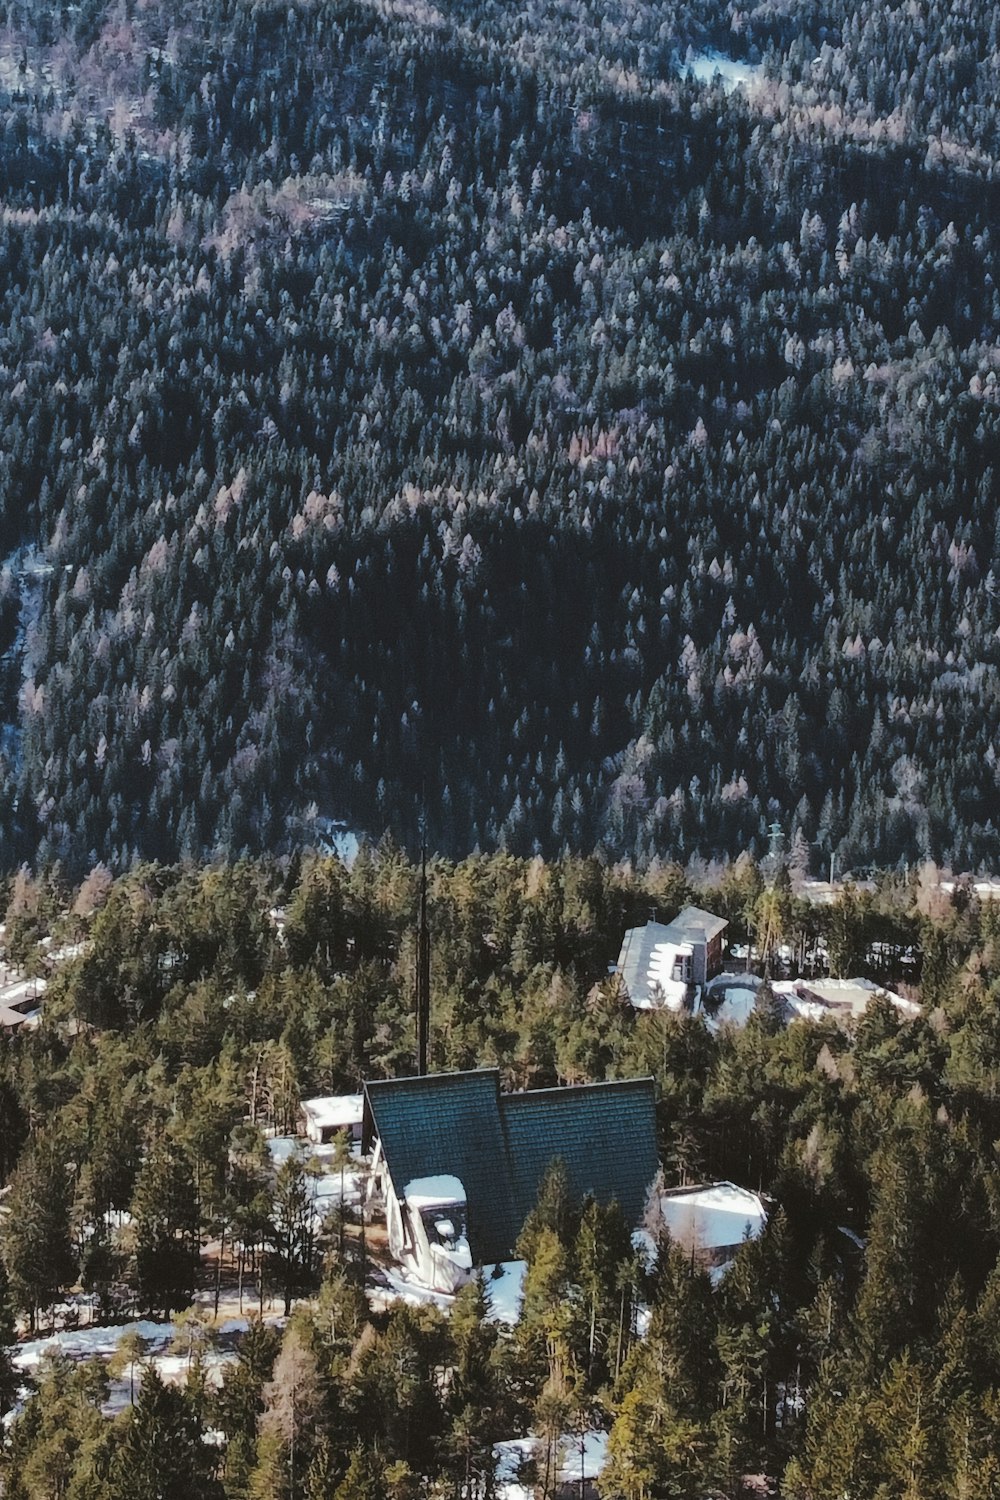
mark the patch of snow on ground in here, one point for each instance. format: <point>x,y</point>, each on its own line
<point>705,67</point>
<point>581,1457</point>
<point>510,1458</point>
<point>644,1242</point>
<point>325,1182</point>
<point>585,1457</point>
<point>15,77</point>
<point>282,1147</point>
<point>101,1341</point>
<point>89,1343</point>
<point>333,837</point>
<point>394,1285</point>
<point>738,1006</point>
<point>505,1291</point>
<point>730,1000</point>
<point>65,953</point>
<point>327,1190</point>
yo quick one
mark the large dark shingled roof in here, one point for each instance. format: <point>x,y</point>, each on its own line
<point>501,1145</point>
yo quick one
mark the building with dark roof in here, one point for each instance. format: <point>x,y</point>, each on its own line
<point>429,1133</point>
<point>660,962</point>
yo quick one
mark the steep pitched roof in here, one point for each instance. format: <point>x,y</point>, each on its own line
<point>605,1134</point>
<point>500,1145</point>
<point>447,1124</point>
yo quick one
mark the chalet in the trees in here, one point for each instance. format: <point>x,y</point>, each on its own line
<point>661,961</point>
<point>458,1164</point>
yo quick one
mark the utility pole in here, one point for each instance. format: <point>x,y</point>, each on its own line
<point>423,978</point>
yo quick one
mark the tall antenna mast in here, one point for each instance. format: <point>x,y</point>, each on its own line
<point>423,985</point>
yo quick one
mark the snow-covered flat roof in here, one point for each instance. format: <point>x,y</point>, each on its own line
<point>795,1006</point>
<point>434,1192</point>
<point>334,1111</point>
<point>21,993</point>
<point>850,995</point>
<point>714,1216</point>
<point>647,965</point>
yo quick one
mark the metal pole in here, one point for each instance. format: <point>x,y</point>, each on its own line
<point>423,966</point>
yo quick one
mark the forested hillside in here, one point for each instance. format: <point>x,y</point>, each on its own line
<point>400,394</point>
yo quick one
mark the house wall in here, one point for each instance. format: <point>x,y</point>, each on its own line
<point>394,1223</point>
<point>328,1132</point>
<point>409,1245</point>
<point>713,958</point>
<point>420,1254</point>
<point>322,1135</point>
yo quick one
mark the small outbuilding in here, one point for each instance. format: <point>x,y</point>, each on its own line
<point>842,999</point>
<point>712,1221</point>
<point>326,1117</point>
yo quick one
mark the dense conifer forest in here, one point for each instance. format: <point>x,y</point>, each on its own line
<point>849,1351</point>
<point>398,395</point>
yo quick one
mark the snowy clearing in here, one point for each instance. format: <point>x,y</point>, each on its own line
<point>504,1292</point>
<point>705,67</point>
<point>101,1341</point>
